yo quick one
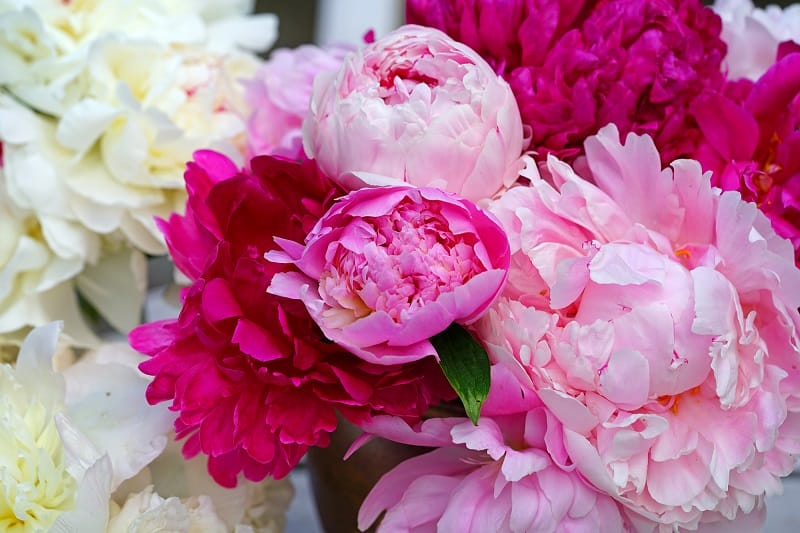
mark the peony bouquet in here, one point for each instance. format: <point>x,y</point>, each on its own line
<point>576,222</point>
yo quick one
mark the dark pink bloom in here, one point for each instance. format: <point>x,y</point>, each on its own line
<point>752,143</point>
<point>253,379</point>
<point>576,66</point>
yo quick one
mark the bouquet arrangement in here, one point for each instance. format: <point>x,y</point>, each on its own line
<point>101,104</point>
<point>578,220</point>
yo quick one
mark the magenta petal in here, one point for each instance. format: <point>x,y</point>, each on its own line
<point>256,341</point>
<point>219,302</point>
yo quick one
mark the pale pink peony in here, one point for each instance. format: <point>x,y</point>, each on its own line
<point>418,107</point>
<point>657,319</point>
<point>508,473</point>
<point>280,95</point>
<point>387,268</point>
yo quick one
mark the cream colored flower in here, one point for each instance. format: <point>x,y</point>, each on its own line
<point>67,439</point>
<point>50,240</point>
<point>146,511</point>
<point>101,105</point>
<point>35,487</point>
<point>39,480</point>
<point>248,508</point>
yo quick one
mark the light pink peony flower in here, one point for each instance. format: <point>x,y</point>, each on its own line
<point>418,107</point>
<point>387,268</point>
<point>280,95</point>
<point>508,473</point>
<point>658,321</point>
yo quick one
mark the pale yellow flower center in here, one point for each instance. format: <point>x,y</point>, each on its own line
<point>35,487</point>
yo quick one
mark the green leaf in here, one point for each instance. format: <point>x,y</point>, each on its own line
<point>466,366</point>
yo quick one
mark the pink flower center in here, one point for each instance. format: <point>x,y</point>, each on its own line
<point>408,258</point>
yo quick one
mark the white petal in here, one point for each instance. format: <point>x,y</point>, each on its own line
<point>116,287</point>
<point>35,364</point>
<point>107,403</point>
<point>83,124</point>
<point>90,514</point>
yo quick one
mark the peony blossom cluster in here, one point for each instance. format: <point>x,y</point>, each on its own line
<point>101,105</point>
<point>646,351</point>
<point>77,441</point>
<point>627,289</point>
<point>254,380</point>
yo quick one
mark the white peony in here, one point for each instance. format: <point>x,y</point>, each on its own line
<point>146,511</point>
<point>101,104</point>
<point>753,35</point>
<point>66,440</point>
<point>247,508</point>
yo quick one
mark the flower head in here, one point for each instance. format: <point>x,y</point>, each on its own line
<point>576,66</point>
<point>670,345</point>
<point>60,451</point>
<point>417,107</point>
<point>253,379</point>
<point>35,484</point>
<point>387,268</point>
<point>507,473</point>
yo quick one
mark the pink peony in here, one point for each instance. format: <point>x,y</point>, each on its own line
<point>752,143</point>
<point>280,95</point>
<point>253,380</point>
<point>576,66</point>
<point>657,319</point>
<point>508,473</point>
<point>387,268</point>
<point>418,107</point>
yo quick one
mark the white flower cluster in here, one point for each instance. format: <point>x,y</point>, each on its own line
<point>75,447</point>
<point>102,102</point>
<point>754,34</point>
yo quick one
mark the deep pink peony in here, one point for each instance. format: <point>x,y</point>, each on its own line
<point>752,143</point>
<point>508,473</point>
<point>280,95</point>
<point>253,380</point>
<point>420,108</point>
<point>576,66</point>
<point>657,319</point>
<point>387,268</point>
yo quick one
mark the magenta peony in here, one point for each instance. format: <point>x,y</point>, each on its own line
<point>280,95</point>
<point>657,319</point>
<point>387,268</point>
<point>508,473</point>
<point>418,107</point>
<point>253,380</point>
<point>576,66</point>
<point>752,143</point>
